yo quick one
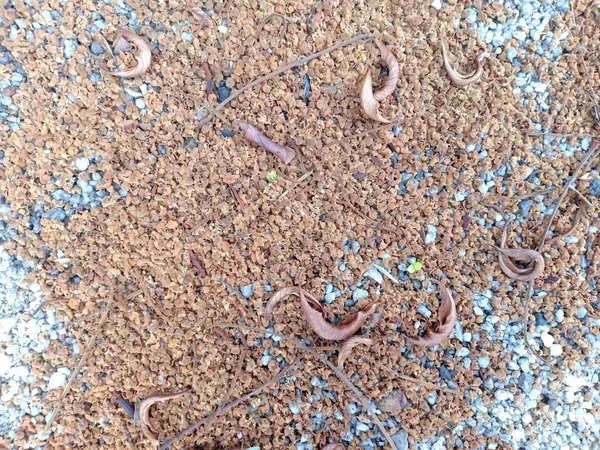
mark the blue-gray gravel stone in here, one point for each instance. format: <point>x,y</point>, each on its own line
<point>96,48</point>
<point>401,440</point>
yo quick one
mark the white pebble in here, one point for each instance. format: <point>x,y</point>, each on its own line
<point>436,4</point>
<point>82,163</point>
<point>556,350</point>
<point>5,362</point>
<point>222,29</point>
<point>57,380</point>
<point>547,339</point>
<point>139,102</point>
<point>374,274</point>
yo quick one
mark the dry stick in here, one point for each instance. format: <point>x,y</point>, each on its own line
<point>579,135</point>
<point>91,342</point>
<point>571,229</point>
<point>526,196</point>
<point>590,155</point>
<point>415,380</point>
<point>298,62</point>
<point>228,407</point>
<point>300,180</point>
<point>321,358</point>
<point>582,197</point>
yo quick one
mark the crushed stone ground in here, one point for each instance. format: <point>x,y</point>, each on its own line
<point>106,184</point>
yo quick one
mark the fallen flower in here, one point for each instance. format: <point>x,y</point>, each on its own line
<point>457,77</point>
<point>141,416</point>
<point>367,99</point>
<point>533,259</point>
<point>313,312</point>
<point>286,154</point>
<point>349,345</point>
<point>143,58</point>
<point>393,72</point>
<point>446,321</point>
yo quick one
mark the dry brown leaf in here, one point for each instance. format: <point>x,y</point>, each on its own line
<point>334,447</point>
<point>367,99</point>
<point>141,416</point>
<point>508,257</point>
<point>286,154</point>
<point>393,72</point>
<point>394,402</point>
<point>143,57</point>
<point>457,77</point>
<point>446,321</point>
<point>313,312</point>
<point>197,264</point>
<point>349,345</point>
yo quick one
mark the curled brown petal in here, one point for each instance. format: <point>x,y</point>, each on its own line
<point>279,295</point>
<point>367,100</point>
<point>141,416</point>
<point>393,72</point>
<point>313,312</point>
<point>446,320</point>
<point>286,154</point>
<point>535,261</point>
<point>349,345</point>
<point>143,57</point>
<point>199,14</point>
<point>457,77</point>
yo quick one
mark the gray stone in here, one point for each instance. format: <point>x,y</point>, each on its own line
<point>96,48</point>
<point>247,290</point>
<point>359,294</point>
<point>69,46</point>
<point>401,440</point>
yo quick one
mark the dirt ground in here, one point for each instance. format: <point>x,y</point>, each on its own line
<point>171,182</point>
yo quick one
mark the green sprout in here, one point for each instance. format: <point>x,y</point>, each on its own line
<point>272,176</point>
<point>415,267</point>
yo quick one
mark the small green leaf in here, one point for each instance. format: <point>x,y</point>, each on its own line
<point>415,267</point>
<point>272,176</point>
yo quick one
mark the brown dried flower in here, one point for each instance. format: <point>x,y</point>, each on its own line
<point>143,58</point>
<point>349,345</point>
<point>393,72</point>
<point>508,257</point>
<point>141,416</point>
<point>446,320</point>
<point>459,78</point>
<point>369,103</point>
<point>313,311</point>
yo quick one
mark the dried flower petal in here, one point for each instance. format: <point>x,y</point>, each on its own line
<point>143,58</point>
<point>367,100</point>
<point>535,261</point>
<point>393,72</point>
<point>446,321</point>
<point>286,154</point>
<point>349,345</point>
<point>313,311</point>
<point>457,77</point>
<point>142,413</point>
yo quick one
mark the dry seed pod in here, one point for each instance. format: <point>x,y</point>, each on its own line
<point>533,259</point>
<point>367,99</point>
<point>313,312</point>
<point>286,154</point>
<point>446,321</point>
<point>393,72</point>
<point>349,345</point>
<point>457,77</point>
<point>143,58</point>
<point>141,416</point>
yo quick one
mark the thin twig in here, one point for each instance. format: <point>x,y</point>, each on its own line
<point>48,303</point>
<point>566,135</point>
<point>88,348</point>
<point>582,197</point>
<point>228,407</point>
<point>235,195</point>
<point>210,84</point>
<point>525,196</point>
<point>233,289</point>
<point>321,358</point>
<point>414,380</point>
<point>298,62</point>
<point>357,211</point>
<point>300,180</point>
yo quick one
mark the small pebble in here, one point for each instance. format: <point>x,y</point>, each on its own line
<point>81,164</point>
